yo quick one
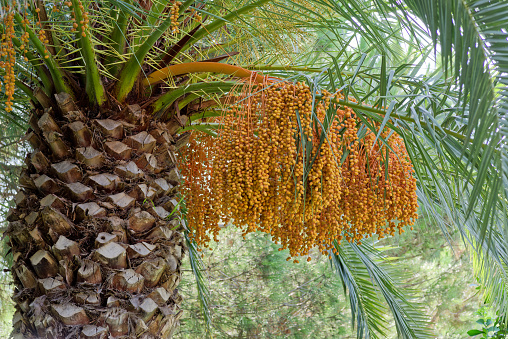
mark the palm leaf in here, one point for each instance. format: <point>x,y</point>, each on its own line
<point>373,292</point>
<point>203,293</point>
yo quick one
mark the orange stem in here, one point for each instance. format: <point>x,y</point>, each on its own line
<point>197,67</point>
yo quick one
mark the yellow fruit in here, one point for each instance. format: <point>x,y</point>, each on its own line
<point>256,173</point>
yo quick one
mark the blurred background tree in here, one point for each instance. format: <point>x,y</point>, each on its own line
<point>256,293</point>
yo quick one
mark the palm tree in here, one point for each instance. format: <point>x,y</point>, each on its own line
<point>117,86</point>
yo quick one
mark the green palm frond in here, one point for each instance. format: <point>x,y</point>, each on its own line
<point>368,311</point>
<point>203,292</point>
<point>474,47</point>
<point>490,267</point>
<point>470,35</point>
<point>373,289</point>
<point>12,126</point>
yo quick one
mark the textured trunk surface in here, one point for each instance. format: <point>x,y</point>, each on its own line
<point>96,250</point>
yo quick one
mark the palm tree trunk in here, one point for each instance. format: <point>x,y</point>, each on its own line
<point>97,250</point>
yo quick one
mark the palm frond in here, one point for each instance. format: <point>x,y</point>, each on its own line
<point>474,48</point>
<point>197,267</point>
<point>472,43</point>
<point>373,292</point>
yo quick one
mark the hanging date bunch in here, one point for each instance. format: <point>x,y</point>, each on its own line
<point>298,171</point>
<point>8,57</point>
<point>10,45</point>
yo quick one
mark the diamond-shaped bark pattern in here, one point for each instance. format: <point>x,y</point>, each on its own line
<point>90,156</point>
<point>121,200</point>
<point>79,192</point>
<point>118,150</point>
<point>92,226</point>
<point>141,221</point>
<point>47,124</point>
<point>129,170</point>
<point>89,209</point>
<point>57,145</point>
<point>50,285</point>
<point>141,142</point>
<point>105,181</point>
<point>70,314</point>
<point>80,134</point>
<point>39,161</point>
<point>46,184</point>
<point>148,162</point>
<point>44,264</point>
<point>110,128</point>
<point>67,171</point>
<point>52,200</point>
<point>142,192</point>
<point>112,255</point>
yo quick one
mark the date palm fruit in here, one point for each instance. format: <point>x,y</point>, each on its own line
<point>276,169</point>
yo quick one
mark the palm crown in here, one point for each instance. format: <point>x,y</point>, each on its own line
<point>175,62</point>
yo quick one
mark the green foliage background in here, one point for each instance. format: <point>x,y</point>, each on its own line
<point>256,293</point>
<point>6,305</point>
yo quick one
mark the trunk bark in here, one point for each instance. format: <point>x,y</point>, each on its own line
<point>97,250</point>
